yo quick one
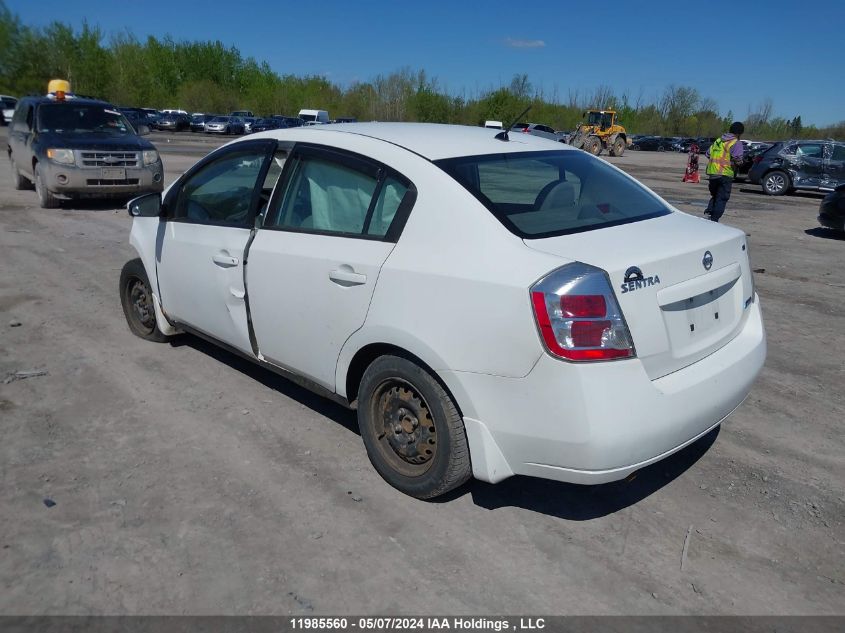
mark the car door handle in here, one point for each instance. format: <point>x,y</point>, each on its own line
<point>224,261</point>
<point>346,276</point>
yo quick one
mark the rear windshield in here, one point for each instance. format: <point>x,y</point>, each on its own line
<point>542,194</point>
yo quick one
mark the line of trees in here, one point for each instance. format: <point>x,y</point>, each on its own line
<point>207,76</point>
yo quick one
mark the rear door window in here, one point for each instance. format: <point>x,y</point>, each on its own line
<point>329,192</point>
<point>542,194</point>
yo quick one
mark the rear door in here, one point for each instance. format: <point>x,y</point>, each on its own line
<point>314,263</point>
<point>210,216</point>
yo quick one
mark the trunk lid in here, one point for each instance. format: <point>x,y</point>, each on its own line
<point>679,303</point>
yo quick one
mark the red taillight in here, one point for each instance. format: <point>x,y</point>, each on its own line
<point>588,333</point>
<point>578,316</point>
<point>583,306</point>
<point>526,130</point>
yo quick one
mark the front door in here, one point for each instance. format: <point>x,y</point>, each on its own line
<point>809,159</point>
<point>314,264</point>
<point>210,215</point>
<point>834,165</point>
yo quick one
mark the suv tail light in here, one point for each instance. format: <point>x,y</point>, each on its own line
<point>578,316</point>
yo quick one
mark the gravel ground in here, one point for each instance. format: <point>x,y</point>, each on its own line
<point>183,480</point>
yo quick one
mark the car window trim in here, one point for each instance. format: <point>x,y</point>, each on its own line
<point>269,146</point>
<point>354,161</point>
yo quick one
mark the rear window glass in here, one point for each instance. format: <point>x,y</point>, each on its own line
<point>541,194</point>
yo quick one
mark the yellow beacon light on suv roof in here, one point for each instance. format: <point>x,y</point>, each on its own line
<point>58,87</point>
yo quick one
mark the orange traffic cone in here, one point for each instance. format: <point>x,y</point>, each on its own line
<point>691,174</point>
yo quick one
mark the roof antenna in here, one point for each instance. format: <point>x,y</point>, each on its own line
<point>503,135</point>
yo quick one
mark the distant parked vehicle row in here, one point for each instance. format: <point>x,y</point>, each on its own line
<point>225,125</point>
<point>174,122</point>
<point>198,122</point>
<point>238,122</point>
<point>653,144</point>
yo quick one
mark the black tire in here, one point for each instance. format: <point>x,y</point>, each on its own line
<point>137,300</point>
<point>412,430</point>
<point>45,196</point>
<point>618,147</point>
<point>660,148</point>
<point>776,183</point>
<point>593,146</point>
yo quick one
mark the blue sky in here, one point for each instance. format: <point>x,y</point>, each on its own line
<point>788,51</point>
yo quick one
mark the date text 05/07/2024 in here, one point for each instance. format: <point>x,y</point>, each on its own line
<point>416,624</point>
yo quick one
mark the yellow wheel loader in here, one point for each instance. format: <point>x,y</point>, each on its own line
<point>600,132</point>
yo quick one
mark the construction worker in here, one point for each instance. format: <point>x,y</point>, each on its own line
<point>724,153</point>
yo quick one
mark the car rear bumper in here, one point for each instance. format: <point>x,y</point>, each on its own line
<point>600,422</point>
<point>72,180</point>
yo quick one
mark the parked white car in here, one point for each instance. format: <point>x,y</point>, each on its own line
<point>490,307</point>
<point>7,108</point>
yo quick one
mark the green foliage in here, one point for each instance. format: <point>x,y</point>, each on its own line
<point>209,77</point>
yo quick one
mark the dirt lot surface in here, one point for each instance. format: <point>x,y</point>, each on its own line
<point>186,480</point>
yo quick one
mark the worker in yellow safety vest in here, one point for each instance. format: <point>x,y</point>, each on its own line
<point>724,153</point>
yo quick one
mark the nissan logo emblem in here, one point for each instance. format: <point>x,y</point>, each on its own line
<point>707,260</point>
<point>633,274</point>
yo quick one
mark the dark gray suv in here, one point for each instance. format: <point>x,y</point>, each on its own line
<point>807,165</point>
<point>75,147</point>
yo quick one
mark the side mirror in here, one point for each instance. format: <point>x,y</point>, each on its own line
<point>148,206</point>
<point>143,130</point>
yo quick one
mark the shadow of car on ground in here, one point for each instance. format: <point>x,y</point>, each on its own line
<point>825,233</point>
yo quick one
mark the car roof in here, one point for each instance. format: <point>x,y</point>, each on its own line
<point>72,100</point>
<point>433,141</point>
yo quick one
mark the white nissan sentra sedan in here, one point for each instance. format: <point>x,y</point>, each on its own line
<point>490,306</point>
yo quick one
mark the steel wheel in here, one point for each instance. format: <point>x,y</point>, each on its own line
<point>136,298</point>
<point>141,301</point>
<point>406,432</point>
<point>411,428</point>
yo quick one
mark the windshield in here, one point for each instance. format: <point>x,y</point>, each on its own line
<point>220,119</point>
<point>308,117</point>
<point>542,194</point>
<point>71,117</point>
<point>594,118</point>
